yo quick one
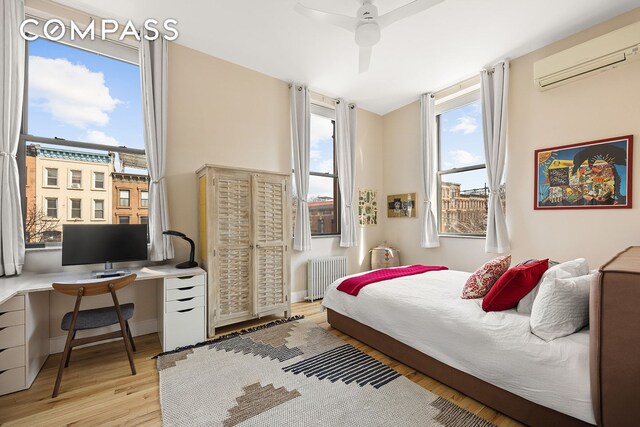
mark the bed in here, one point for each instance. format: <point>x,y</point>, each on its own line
<point>492,357</point>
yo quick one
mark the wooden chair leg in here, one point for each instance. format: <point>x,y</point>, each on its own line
<point>133,344</point>
<point>66,363</point>
<point>67,346</point>
<point>123,330</point>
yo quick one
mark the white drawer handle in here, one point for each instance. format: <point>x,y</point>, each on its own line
<point>186,289</point>
<point>2,349</point>
<point>185,299</point>
<point>2,372</point>
<point>185,277</point>
<point>185,310</point>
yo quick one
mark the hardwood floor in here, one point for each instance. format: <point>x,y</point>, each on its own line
<point>98,388</point>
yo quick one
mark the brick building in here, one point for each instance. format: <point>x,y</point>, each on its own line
<point>130,198</point>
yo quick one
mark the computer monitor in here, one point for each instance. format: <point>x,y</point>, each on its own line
<point>103,243</point>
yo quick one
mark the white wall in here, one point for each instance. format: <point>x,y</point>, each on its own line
<point>602,106</point>
<point>402,174</point>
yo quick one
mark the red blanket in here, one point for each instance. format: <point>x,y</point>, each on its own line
<point>352,285</point>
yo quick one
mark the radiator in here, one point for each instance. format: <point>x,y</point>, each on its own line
<point>321,272</point>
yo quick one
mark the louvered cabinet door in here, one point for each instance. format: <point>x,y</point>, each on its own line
<point>232,291</point>
<point>270,224</point>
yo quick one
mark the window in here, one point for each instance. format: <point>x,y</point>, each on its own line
<point>144,199</point>
<point>82,103</point>
<point>98,209</point>
<point>323,196</point>
<point>462,179</point>
<point>123,198</point>
<point>124,219</point>
<point>75,179</point>
<point>52,208</point>
<point>144,220</point>
<point>98,180</point>
<point>52,177</point>
<point>76,208</point>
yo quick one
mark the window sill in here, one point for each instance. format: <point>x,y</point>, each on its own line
<point>45,249</point>
<point>75,188</point>
<point>325,236</point>
<point>462,236</point>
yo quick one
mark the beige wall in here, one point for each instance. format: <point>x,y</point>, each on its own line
<point>601,106</point>
<point>227,115</point>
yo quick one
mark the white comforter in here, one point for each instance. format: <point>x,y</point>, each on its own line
<point>426,312</point>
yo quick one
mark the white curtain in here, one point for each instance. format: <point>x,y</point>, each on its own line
<point>12,77</point>
<point>153,75</point>
<point>428,228</point>
<point>301,148</point>
<point>494,88</point>
<point>346,160</point>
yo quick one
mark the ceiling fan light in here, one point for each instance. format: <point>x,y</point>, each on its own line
<point>367,34</point>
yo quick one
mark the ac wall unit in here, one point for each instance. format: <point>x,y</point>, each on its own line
<point>602,53</point>
<point>75,185</point>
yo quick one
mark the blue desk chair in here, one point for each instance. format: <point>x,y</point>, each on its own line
<point>77,319</point>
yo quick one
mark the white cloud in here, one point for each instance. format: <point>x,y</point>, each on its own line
<point>465,124</point>
<point>321,128</point>
<point>99,137</point>
<point>71,93</point>
<point>320,187</point>
<point>461,157</point>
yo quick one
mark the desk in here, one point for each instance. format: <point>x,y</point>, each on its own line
<point>24,316</point>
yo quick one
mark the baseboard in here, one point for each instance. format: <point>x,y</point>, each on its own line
<point>142,327</point>
<point>298,296</point>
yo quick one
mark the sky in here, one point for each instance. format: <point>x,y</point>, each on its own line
<point>82,96</point>
<point>462,145</point>
<point>321,156</point>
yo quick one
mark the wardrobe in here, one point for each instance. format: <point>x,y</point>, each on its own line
<point>245,238</point>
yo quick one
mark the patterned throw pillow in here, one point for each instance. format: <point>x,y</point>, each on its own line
<point>485,277</point>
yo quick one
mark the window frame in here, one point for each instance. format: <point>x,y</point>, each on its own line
<point>71,208</point>
<point>142,199</point>
<point>124,216</point>
<point>94,210</point>
<point>115,49</point>
<point>71,184</point>
<point>470,95</point>
<point>330,113</point>
<point>46,177</point>
<point>128,205</point>
<point>94,181</point>
<point>46,201</point>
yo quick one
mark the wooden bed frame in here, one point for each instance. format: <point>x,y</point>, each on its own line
<point>614,354</point>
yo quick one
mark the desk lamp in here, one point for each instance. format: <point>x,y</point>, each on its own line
<point>187,264</point>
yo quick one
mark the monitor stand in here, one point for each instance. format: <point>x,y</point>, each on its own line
<point>109,271</point>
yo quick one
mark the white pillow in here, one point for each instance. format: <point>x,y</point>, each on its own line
<point>575,268</point>
<point>561,307</point>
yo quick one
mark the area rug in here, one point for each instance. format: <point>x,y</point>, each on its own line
<point>293,373</point>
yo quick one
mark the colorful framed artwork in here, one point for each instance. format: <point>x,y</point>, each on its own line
<point>589,175</point>
<point>401,205</point>
<point>367,208</point>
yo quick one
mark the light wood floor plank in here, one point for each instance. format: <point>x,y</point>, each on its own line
<point>98,388</point>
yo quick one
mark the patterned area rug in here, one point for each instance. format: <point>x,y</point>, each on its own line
<point>293,373</point>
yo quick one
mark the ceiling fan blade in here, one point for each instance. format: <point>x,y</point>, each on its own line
<point>365,59</point>
<point>405,11</point>
<point>346,22</point>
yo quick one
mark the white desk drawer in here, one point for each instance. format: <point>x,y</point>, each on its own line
<point>12,358</point>
<point>11,318</point>
<point>12,336</point>
<point>178,282</point>
<point>184,304</point>
<point>15,303</point>
<point>184,328</point>
<point>12,380</point>
<point>186,292</point>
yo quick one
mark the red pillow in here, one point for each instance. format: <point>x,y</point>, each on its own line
<point>513,285</point>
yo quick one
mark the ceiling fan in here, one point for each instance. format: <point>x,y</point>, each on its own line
<point>368,23</point>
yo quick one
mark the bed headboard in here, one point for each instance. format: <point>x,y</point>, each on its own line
<point>614,320</point>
